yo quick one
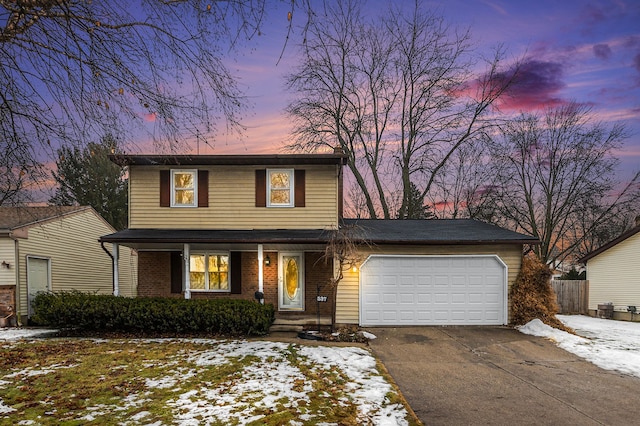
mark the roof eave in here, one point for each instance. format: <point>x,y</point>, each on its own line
<point>610,244</point>
<point>240,160</point>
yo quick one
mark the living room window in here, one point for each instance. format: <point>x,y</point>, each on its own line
<point>184,189</point>
<point>280,186</point>
<point>209,271</point>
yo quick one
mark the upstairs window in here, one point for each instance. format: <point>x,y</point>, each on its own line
<point>280,184</point>
<point>184,188</point>
<point>280,188</point>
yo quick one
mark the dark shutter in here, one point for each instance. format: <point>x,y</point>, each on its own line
<point>165,188</point>
<point>203,188</point>
<point>236,272</point>
<point>261,188</point>
<point>299,190</point>
<point>176,272</point>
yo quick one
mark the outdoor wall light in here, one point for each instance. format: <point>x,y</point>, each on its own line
<point>6,264</point>
<point>354,268</point>
<point>267,261</point>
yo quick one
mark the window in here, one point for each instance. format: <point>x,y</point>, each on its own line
<point>209,271</point>
<point>280,188</point>
<point>184,188</point>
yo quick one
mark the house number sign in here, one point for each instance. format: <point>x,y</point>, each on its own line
<point>321,298</point>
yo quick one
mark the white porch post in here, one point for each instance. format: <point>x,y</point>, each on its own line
<point>187,276</point>
<point>116,269</point>
<point>260,270</point>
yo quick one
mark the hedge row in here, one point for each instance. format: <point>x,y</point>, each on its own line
<point>83,311</point>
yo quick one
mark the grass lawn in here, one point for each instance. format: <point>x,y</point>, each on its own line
<point>193,382</point>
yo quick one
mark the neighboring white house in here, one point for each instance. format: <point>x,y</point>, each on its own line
<point>56,248</point>
<point>613,272</point>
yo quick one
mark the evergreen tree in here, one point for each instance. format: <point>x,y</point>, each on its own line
<point>415,207</point>
<point>87,177</point>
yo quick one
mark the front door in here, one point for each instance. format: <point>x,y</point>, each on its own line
<point>38,279</point>
<point>291,282</point>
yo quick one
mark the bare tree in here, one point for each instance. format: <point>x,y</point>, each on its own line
<point>395,92</point>
<point>343,251</point>
<point>74,70</point>
<point>464,187</point>
<point>555,175</point>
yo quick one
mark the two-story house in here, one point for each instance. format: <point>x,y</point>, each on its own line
<point>256,227</point>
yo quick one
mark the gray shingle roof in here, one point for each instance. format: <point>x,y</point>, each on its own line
<point>436,231</point>
<point>17,217</point>
<point>454,231</point>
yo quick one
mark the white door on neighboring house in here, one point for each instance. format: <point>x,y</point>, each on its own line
<point>38,277</point>
<point>291,282</point>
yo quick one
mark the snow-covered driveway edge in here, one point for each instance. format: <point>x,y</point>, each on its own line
<point>609,344</point>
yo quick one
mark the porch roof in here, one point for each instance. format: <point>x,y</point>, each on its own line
<point>137,237</point>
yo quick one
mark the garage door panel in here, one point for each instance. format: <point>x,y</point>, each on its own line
<point>433,290</point>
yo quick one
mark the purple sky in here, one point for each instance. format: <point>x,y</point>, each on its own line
<point>588,51</point>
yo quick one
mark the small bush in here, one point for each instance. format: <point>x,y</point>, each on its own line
<point>91,312</point>
<point>532,295</point>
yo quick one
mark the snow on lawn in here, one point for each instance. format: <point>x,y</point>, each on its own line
<point>274,377</point>
<point>609,344</point>
<point>15,333</point>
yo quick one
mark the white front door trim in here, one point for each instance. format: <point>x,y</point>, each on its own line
<point>285,302</point>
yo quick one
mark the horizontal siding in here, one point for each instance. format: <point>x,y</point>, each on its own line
<point>76,257</point>
<point>348,301</point>
<point>614,275</point>
<point>232,202</point>
<point>7,254</point>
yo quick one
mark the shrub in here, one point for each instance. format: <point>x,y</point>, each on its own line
<point>92,312</point>
<point>532,295</point>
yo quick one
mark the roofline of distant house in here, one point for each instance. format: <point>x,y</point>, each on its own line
<point>72,210</point>
<point>610,244</point>
<point>223,160</point>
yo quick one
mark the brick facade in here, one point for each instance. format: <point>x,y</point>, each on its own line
<point>154,280</point>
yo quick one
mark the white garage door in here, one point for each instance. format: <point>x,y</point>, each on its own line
<point>433,290</point>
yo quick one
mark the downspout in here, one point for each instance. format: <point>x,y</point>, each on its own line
<point>113,267</point>
<point>16,260</point>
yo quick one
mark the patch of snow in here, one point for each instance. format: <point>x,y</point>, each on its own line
<point>17,333</point>
<point>139,416</point>
<point>5,409</point>
<point>609,344</point>
<point>368,388</point>
<point>368,335</point>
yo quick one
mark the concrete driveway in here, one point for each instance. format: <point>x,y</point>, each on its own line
<point>497,375</point>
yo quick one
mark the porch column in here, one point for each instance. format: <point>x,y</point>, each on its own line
<point>116,269</point>
<point>260,270</point>
<point>187,276</point>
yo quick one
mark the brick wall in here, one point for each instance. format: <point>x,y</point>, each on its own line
<point>155,280</point>
<point>154,274</point>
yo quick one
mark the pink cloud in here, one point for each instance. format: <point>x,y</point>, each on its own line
<point>149,117</point>
<point>536,85</point>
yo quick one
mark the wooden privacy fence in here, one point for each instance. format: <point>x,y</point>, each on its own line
<point>572,296</point>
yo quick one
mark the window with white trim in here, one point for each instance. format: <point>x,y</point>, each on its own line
<point>209,271</point>
<point>184,188</point>
<point>280,188</point>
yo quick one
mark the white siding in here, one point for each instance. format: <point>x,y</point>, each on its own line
<point>232,202</point>
<point>614,275</point>
<point>77,259</point>
<point>347,301</point>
